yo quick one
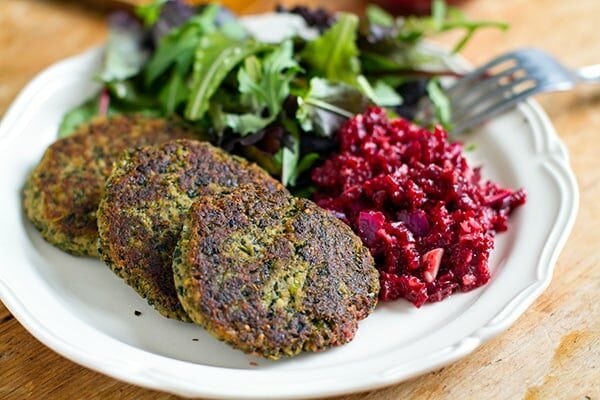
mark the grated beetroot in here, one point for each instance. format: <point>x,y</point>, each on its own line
<point>427,217</point>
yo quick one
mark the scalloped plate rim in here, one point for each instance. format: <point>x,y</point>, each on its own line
<point>151,378</point>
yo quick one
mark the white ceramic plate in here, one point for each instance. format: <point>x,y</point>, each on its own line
<point>80,309</point>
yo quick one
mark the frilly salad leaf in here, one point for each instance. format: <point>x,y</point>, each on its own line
<point>278,104</point>
<point>263,86</point>
<point>267,83</point>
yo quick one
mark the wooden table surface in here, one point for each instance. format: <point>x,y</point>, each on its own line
<point>552,351</point>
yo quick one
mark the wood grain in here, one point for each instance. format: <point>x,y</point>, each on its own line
<point>552,351</point>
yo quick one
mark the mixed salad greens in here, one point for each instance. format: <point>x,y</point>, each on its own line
<point>278,104</point>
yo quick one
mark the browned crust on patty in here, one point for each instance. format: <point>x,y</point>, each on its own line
<point>145,201</point>
<point>271,274</point>
<point>62,193</point>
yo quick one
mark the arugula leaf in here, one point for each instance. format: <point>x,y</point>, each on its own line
<point>179,45</point>
<point>443,19</point>
<point>327,105</point>
<point>268,83</point>
<point>125,55</point>
<point>77,116</point>
<point>334,54</point>
<point>456,19</point>
<point>216,56</point>
<point>443,111</point>
<point>263,85</point>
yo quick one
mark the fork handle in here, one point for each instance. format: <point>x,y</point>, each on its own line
<point>589,74</point>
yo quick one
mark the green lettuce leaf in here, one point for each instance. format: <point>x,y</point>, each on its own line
<point>124,55</point>
<point>385,95</point>
<point>443,111</point>
<point>334,55</point>
<point>77,116</point>
<point>174,93</point>
<point>378,16</point>
<point>242,124</point>
<point>381,94</point>
<point>304,165</point>
<point>327,105</point>
<point>150,12</point>
<point>129,95</point>
<point>179,45</point>
<point>216,56</point>
<point>290,154</point>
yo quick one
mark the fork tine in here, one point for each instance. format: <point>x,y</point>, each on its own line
<point>495,87</point>
<point>485,97</point>
<point>486,83</point>
<point>463,83</point>
<point>489,112</point>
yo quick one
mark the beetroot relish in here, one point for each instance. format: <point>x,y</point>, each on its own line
<point>426,216</point>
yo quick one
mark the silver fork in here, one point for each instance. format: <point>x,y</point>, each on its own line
<point>503,82</point>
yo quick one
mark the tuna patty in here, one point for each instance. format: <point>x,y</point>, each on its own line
<point>146,199</point>
<point>62,193</point>
<point>271,274</point>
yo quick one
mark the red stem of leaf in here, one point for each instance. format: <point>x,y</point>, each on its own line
<point>103,102</point>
